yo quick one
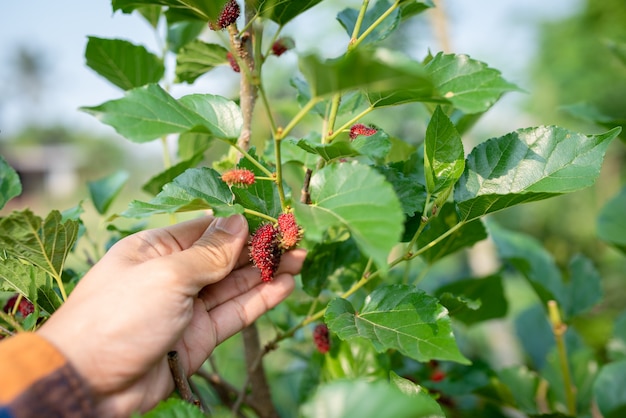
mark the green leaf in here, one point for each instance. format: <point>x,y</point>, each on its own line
<point>410,192</point>
<point>181,33</point>
<point>362,399</point>
<point>10,185</point>
<point>616,347</point>
<point>149,112</point>
<point>44,243</point>
<point>174,408</point>
<point>192,143</point>
<point>354,360</point>
<point>105,190</point>
<point>470,85</point>
<point>195,189</point>
<point>48,298</point>
<point>151,14</point>
<point>411,389</point>
<point>348,17</point>
<point>609,390</point>
<point>358,198</point>
<point>377,70</point>
<point>329,152</point>
<point>122,63</point>
<point>444,159</point>
<point>488,290</point>
<point>204,10</point>
<point>18,276</point>
<point>467,235</point>
<point>156,183</point>
<point>584,287</point>
<point>611,225</point>
<point>411,8</point>
<point>523,385</point>
<point>282,11</point>
<point>376,147</point>
<point>398,317</point>
<point>326,262</point>
<point>528,165</point>
<point>198,58</point>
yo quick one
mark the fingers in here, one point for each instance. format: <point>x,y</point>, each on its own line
<point>211,257</point>
<point>239,312</point>
<point>242,280</point>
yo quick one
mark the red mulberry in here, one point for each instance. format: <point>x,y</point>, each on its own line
<point>25,307</point>
<point>233,62</point>
<point>264,251</point>
<point>321,338</point>
<point>360,129</point>
<point>282,45</point>
<point>227,17</point>
<point>289,230</point>
<point>238,177</point>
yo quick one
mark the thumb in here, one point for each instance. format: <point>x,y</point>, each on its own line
<point>214,255</point>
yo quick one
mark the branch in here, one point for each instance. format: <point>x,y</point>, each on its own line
<point>180,378</point>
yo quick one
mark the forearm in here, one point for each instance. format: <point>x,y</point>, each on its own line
<point>36,380</point>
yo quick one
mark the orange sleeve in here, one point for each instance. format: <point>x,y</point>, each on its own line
<point>36,380</point>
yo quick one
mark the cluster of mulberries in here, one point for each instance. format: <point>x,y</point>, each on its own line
<point>228,16</point>
<point>321,338</point>
<point>360,129</point>
<point>240,177</point>
<point>25,307</point>
<point>269,241</point>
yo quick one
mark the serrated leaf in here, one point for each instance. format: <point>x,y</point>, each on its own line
<point>470,85</point>
<point>156,183</point>
<point>608,390</point>
<point>398,317</point>
<point>379,70</point>
<point>122,63</point>
<point>466,236</point>
<point>195,189</point>
<point>528,165</point>
<point>362,399</point>
<point>44,243</point>
<point>282,11</point>
<point>18,276</point>
<point>174,408</point>
<point>611,224</point>
<point>326,262</point>
<point>10,184</point>
<point>182,33</point>
<point>348,17</point>
<point>198,58</point>
<point>358,198</point>
<point>487,290</point>
<point>329,152</point>
<point>410,192</point>
<point>105,190</point>
<point>444,159</point>
<point>48,298</point>
<point>149,112</point>
<point>411,389</point>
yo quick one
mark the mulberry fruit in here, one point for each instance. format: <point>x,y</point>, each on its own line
<point>25,307</point>
<point>290,232</point>
<point>282,45</point>
<point>239,177</point>
<point>360,129</point>
<point>227,17</point>
<point>233,62</point>
<point>264,251</point>
<point>321,338</point>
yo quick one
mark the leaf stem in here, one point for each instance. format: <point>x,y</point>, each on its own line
<point>373,26</point>
<point>259,215</point>
<point>281,133</point>
<point>279,173</point>
<point>11,321</point>
<point>349,123</point>
<point>332,117</point>
<point>359,21</point>
<point>252,160</point>
<point>559,328</point>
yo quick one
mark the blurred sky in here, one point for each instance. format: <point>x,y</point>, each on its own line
<point>502,33</point>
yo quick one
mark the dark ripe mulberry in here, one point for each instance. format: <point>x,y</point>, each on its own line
<point>25,307</point>
<point>264,251</point>
<point>282,45</point>
<point>228,16</point>
<point>360,129</point>
<point>290,232</point>
<point>321,338</point>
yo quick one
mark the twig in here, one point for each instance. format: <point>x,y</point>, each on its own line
<point>305,195</point>
<point>180,378</point>
<point>559,328</point>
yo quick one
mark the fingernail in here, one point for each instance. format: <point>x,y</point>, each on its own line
<point>231,225</point>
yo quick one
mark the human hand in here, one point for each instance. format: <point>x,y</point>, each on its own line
<point>186,287</point>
